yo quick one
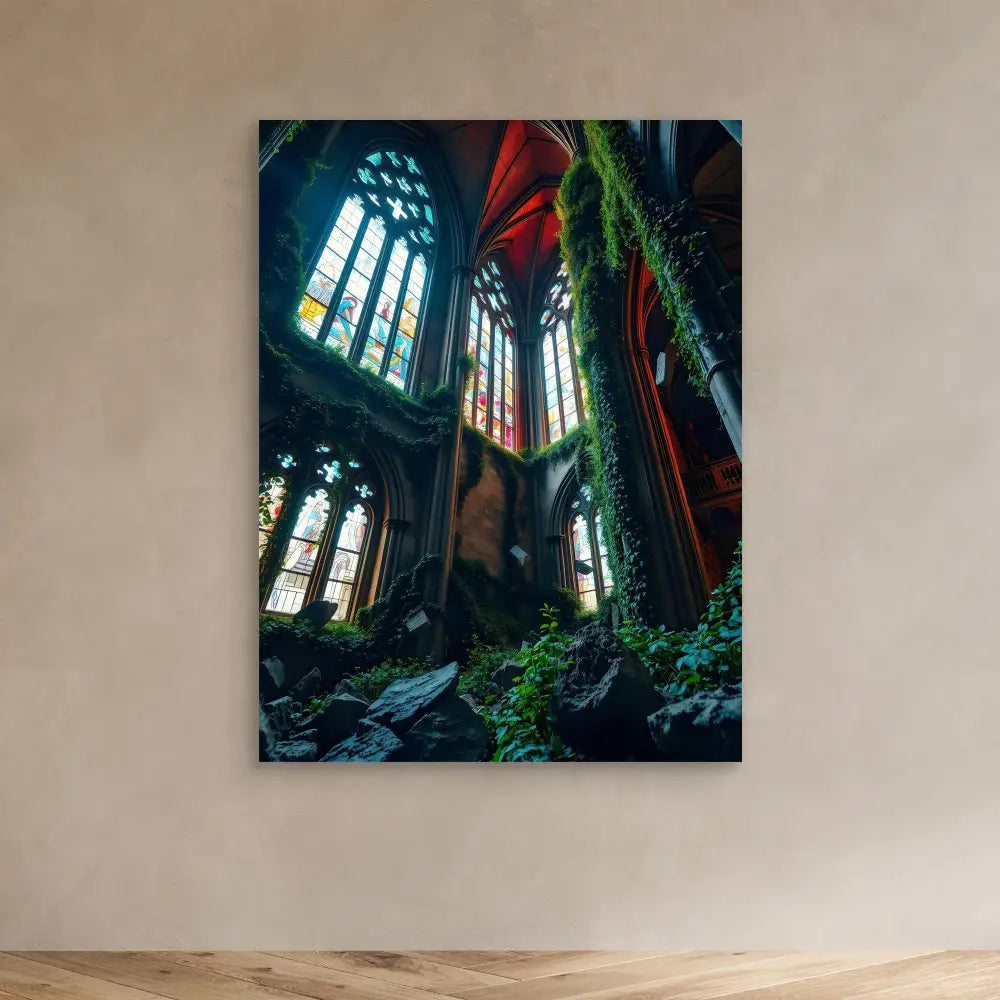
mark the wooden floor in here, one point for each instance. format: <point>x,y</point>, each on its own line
<point>498,975</point>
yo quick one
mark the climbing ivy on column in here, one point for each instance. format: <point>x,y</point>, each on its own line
<point>633,217</point>
<point>597,294</point>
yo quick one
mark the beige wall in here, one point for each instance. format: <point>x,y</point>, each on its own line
<point>132,813</point>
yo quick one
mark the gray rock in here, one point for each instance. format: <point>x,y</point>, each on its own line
<point>451,730</point>
<point>372,742</point>
<point>295,751</point>
<point>308,686</point>
<point>337,719</point>
<point>707,725</point>
<point>602,701</point>
<point>505,675</point>
<point>404,701</point>
<point>279,714</point>
<point>266,738</point>
<point>316,613</point>
<point>272,678</point>
<point>470,700</point>
<point>346,686</point>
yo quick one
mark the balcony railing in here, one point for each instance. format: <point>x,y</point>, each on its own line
<point>718,479</point>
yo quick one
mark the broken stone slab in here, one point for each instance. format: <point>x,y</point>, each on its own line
<point>451,731</point>
<point>308,686</point>
<point>602,702</point>
<point>337,719</point>
<point>706,725</point>
<point>316,613</point>
<point>272,678</point>
<point>295,751</point>
<point>279,714</point>
<point>372,742</point>
<point>405,700</point>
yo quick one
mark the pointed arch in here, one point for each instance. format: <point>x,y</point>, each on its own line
<point>369,279</point>
<point>491,395</point>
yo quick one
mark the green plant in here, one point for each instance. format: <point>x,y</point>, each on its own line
<point>371,683</point>
<point>705,657</point>
<point>523,732</point>
<point>476,677</point>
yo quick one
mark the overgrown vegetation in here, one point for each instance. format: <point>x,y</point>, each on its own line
<point>521,717</point>
<point>371,683</point>
<point>603,451</point>
<point>634,217</point>
<point>705,657</point>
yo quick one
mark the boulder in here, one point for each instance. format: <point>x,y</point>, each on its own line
<point>279,714</point>
<point>272,678</point>
<point>505,675</point>
<point>372,742</point>
<point>316,613</point>
<point>295,751</point>
<point>404,701</point>
<point>337,719</point>
<point>707,725</point>
<point>266,739</point>
<point>470,700</point>
<point>602,701</point>
<point>308,686</point>
<point>346,686</point>
<point>451,730</point>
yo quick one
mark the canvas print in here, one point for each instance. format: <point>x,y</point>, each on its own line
<point>499,510</point>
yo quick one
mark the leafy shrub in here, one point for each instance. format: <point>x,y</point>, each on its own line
<point>476,678</point>
<point>523,732</point>
<point>371,683</point>
<point>706,657</point>
<point>300,643</point>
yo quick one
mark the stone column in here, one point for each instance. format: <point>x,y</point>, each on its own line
<point>711,321</point>
<point>389,563</point>
<point>442,504</point>
<point>559,558</point>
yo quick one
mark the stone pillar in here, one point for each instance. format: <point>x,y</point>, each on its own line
<point>719,366</point>
<point>531,397</point>
<point>389,563</point>
<point>442,504</point>
<point>559,560</point>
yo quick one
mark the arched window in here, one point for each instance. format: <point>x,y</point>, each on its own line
<point>489,397</point>
<point>373,267</point>
<point>565,400</point>
<point>324,557</point>
<point>592,570</point>
<point>272,495</point>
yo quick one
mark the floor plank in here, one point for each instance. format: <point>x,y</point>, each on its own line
<point>627,973</point>
<point>794,967</point>
<point>554,963</point>
<point>34,980</point>
<point>300,978</point>
<point>415,970</point>
<point>921,978</point>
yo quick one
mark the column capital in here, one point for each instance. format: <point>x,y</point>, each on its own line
<point>396,523</point>
<point>463,271</point>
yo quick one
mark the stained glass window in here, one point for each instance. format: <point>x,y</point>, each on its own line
<point>489,397</point>
<point>325,555</point>
<point>346,563</point>
<point>299,560</point>
<point>565,397</point>
<point>271,497</point>
<point>591,566</point>
<point>371,272</point>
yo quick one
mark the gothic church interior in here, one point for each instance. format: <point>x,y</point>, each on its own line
<point>500,381</point>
